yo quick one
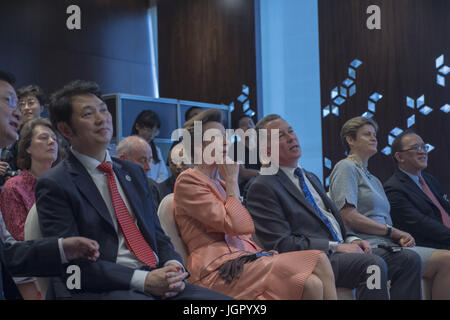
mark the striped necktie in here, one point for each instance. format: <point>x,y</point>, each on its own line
<point>133,237</point>
<point>426,189</point>
<point>298,172</point>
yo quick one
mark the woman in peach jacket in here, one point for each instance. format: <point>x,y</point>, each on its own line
<point>217,228</point>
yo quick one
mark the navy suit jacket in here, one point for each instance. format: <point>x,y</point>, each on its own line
<point>284,220</point>
<point>69,204</point>
<point>29,258</point>
<point>413,212</point>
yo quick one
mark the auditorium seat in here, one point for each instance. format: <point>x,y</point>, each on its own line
<point>33,231</point>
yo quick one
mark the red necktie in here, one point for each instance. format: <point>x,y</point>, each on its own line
<point>445,216</point>
<point>133,237</point>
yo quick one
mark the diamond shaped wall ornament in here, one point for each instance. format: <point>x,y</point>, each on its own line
<point>430,147</point>
<point>426,110</point>
<point>420,101</point>
<point>339,100</point>
<point>439,61</point>
<point>242,98</point>
<point>245,90</point>
<point>396,131</point>
<point>352,73</point>
<point>367,115</point>
<point>327,163</point>
<point>232,106</point>
<point>343,92</point>
<point>352,90</point>
<point>440,80</point>
<point>387,151</point>
<point>376,96</point>
<point>334,93</point>
<point>444,70</point>
<point>327,182</point>
<point>347,82</point>
<point>411,121</point>
<point>246,106</point>
<point>250,113</point>
<point>445,108</point>
<point>410,102</point>
<point>335,111</point>
<point>326,111</point>
<point>371,106</point>
<point>390,140</point>
<point>356,63</point>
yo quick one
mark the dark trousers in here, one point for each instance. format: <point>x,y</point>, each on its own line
<point>191,292</point>
<point>402,268</point>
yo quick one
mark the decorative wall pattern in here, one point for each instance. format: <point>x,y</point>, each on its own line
<point>399,87</point>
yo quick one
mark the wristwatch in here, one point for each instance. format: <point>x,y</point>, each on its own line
<point>389,230</point>
<point>333,246</point>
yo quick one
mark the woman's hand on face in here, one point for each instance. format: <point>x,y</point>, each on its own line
<point>229,170</point>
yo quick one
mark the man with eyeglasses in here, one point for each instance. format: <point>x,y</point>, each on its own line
<point>418,203</point>
<point>31,100</point>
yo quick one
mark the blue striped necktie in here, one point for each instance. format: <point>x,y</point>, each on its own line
<point>299,174</point>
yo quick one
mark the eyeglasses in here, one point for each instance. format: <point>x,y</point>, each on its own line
<point>12,101</point>
<point>418,148</point>
<point>29,102</point>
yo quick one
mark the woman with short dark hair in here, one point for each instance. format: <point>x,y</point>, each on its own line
<point>147,125</point>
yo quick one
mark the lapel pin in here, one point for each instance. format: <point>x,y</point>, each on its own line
<point>128,178</point>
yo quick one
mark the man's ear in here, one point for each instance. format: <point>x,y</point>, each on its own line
<point>65,130</point>
<point>122,156</point>
<point>397,157</point>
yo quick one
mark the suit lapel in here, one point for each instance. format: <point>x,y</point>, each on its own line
<point>412,187</point>
<point>128,188</point>
<point>87,187</point>
<point>295,192</point>
<point>318,189</point>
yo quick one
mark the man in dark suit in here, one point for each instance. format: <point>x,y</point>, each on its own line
<point>418,204</point>
<point>291,211</point>
<point>108,199</point>
<point>43,257</point>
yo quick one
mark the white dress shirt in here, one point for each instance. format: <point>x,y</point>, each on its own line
<point>318,199</point>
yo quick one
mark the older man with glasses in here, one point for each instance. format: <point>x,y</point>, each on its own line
<point>418,203</point>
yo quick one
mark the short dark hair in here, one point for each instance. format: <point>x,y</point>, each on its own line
<point>7,76</point>
<point>26,135</point>
<point>33,90</point>
<point>149,119</point>
<point>187,115</point>
<point>146,118</point>
<point>397,145</point>
<point>60,106</point>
